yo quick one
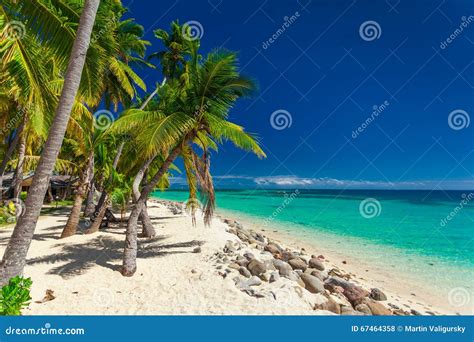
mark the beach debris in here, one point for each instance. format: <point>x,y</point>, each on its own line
<point>49,296</point>
<point>376,294</point>
<point>197,250</point>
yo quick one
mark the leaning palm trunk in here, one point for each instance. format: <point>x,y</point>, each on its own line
<point>75,215</point>
<point>99,215</point>
<point>101,206</point>
<point>148,229</point>
<point>18,177</point>
<point>129,265</point>
<point>9,154</point>
<point>15,254</point>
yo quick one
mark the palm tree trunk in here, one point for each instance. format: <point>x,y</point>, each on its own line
<point>75,215</point>
<point>129,263</point>
<point>9,153</point>
<point>18,177</point>
<point>96,223</point>
<point>148,229</point>
<point>89,208</point>
<point>15,254</point>
<point>100,205</point>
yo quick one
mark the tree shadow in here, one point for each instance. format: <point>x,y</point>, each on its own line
<point>103,251</point>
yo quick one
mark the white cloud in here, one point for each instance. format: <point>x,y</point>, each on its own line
<point>290,181</point>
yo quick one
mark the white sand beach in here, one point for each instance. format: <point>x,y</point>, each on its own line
<point>182,271</point>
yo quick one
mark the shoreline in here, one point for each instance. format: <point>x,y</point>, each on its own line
<point>224,269</point>
<point>414,287</point>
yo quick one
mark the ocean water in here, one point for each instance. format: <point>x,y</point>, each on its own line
<point>431,232</point>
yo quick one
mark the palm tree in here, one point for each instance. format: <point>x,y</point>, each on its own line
<point>15,254</point>
<point>119,87</point>
<point>198,117</point>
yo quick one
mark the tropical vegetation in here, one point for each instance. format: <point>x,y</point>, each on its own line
<point>65,66</point>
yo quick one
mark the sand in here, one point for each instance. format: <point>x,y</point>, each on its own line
<point>172,278</point>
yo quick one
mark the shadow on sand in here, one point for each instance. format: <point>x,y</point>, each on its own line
<point>75,259</point>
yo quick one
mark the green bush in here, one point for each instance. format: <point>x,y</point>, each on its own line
<point>15,296</point>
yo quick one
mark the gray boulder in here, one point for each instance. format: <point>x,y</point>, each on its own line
<point>316,263</point>
<point>298,264</point>
<point>283,268</point>
<point>256,267</point>
<point>272,248</point>
<point>312,283</point>
<point>376,294</point>
<point>245,272</point>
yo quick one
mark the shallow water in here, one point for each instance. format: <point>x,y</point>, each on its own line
<point>429,232</point>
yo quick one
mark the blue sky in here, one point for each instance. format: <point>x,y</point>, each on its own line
<point>327,75</point>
